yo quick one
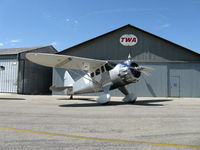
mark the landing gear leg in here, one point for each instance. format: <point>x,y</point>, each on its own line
<point>105,97</point>
<point>129,97</point>
<point>71,97</point>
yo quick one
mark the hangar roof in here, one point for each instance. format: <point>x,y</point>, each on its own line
<point>15,51</point>
<point>128,25</point>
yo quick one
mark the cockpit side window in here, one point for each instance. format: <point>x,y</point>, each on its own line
<point>102,69</point>
<point>108,67</point>
<point>92,74</point>
<point>97,72</point>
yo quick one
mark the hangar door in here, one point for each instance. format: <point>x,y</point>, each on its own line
<point>175,86</point>
<point>8,77</point>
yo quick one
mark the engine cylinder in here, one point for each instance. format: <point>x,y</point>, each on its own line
<point>124,73</point>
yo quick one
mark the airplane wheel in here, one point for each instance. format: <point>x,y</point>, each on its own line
<point>132,102</point>
<point>103,99</point>
<point>130,98</point>
<point>105,103</point>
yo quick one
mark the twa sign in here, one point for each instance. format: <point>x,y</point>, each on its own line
<point>128,40</point>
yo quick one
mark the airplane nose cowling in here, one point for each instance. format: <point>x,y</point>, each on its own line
<point>125,73</point>
<point>136,73</point>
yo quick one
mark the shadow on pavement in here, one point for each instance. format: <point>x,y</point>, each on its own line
<point>115,103</point>
<point>152,102</point>
<point>12,99</point>
<point>83,99</point>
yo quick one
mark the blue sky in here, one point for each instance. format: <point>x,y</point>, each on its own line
<point>64,23</point>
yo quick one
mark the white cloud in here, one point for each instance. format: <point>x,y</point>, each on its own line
<point>71,21</point>
<point>166,25</point>
<point>53,43</point>
<point>67,20</point>
<point>13,42</point>
<point>76,22</point>
<point>162,26</point>
<point>111,11</point>
<point>16,41</point>
<point>48,16</point>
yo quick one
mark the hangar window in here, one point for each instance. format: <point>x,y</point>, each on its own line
<point>97,72</point>
<point>102,69</point>
<point>92,74</point>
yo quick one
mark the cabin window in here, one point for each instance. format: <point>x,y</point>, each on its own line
<point>92,74</point>
<point>97,72</point>
<point>102,69</point>
<point>108,67</point>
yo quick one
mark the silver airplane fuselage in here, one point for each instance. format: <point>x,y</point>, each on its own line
<point>120,75</point>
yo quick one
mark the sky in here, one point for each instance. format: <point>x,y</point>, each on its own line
<point>65,23</point>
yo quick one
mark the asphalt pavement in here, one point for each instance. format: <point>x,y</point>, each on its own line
<point>57,123</point>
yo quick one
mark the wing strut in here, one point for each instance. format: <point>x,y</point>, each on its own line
<point>89,79</point>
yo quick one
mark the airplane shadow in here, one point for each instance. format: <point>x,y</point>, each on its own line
<point>12,99</point>
<point>83,99</point>
<point>115,103</point>
<point>152,102</point>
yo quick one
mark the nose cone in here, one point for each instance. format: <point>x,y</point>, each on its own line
<point>136,73</point>
<point>134,69</point>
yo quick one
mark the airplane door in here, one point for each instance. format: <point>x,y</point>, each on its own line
<point>174,86</point>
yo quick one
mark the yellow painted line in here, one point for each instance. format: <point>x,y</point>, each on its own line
<point>101,139</point>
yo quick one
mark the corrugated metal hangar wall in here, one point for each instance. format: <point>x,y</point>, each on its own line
<point>22,76</point>
<point>8,77</point>
<point>177,69</point>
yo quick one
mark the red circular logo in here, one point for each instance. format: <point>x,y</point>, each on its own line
<point>128,40</point>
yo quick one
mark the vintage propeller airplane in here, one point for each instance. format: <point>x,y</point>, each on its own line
<point>2,68</point>
<point>101,76</point>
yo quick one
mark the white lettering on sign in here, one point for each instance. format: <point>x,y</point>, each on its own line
<point>128,40</point>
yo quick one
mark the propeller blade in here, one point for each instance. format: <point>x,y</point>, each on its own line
<point>145,68</point>
<point>129,56</point>
<point>144,72</point>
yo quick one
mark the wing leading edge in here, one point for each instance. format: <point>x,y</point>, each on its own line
<point>65,61</point>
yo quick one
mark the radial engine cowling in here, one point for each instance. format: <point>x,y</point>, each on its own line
<point>125,73</point>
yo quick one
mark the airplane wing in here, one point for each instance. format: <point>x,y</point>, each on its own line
<point>65,61</point>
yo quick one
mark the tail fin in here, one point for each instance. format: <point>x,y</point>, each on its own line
<point>68,80</point>
<point>68,84</point>
<point>62,88</point>
<point>58,88</point>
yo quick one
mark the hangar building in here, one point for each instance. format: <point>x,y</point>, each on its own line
<point>177,69</point>
<point>22,76</point>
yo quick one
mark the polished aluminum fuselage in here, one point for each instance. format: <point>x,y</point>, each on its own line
<point>120,75</point>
